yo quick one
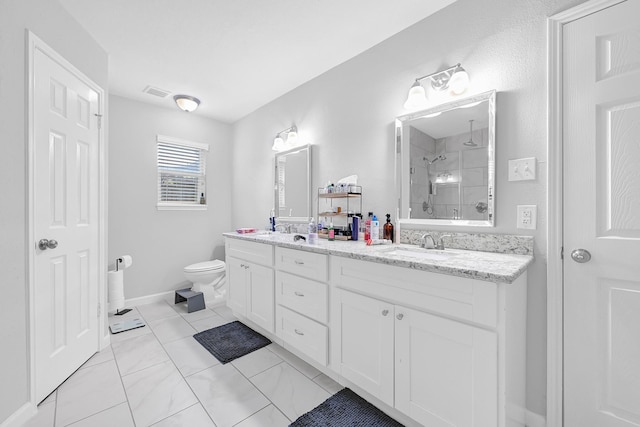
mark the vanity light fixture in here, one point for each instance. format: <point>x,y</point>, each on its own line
<point>187,103</point>
<point>455,79</point>
<point>279,143</point>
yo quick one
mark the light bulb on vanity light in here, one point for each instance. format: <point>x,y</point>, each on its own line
<point>292,137</point>
<point>278,143</point>
<point>417,98</point>
<point>459,81</point>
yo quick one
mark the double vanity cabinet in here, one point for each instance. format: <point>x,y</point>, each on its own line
<point>441,349</point>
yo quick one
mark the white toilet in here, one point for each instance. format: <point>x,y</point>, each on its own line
<point>209,278</point>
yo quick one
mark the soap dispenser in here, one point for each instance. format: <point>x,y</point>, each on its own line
<point>388,229</point>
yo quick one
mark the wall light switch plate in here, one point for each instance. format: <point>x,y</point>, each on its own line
<point>522,169</point>
<point>527,216</point>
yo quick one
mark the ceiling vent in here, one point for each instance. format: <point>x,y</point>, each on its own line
<point>156,91</point>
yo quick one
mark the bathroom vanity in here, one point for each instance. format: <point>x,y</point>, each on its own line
<point>436,336</point>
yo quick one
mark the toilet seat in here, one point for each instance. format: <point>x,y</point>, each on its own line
<point>213,265</point>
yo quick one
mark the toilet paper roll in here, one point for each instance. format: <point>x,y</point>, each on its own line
<point>124,261</point>
<point>116,290</point>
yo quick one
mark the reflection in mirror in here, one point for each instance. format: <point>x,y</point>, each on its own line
<point>446,163</point>
<point>292,199</point>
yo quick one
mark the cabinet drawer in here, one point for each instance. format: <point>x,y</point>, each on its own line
<point>305,296</point>
<point>468,299</point>
<point>306,335</point>
<point>302,263</point>
<point>259,253</point>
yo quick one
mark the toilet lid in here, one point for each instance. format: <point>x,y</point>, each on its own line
<point>216,264</point>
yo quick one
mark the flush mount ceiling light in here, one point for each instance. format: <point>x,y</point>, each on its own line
<point>279,143</point>
<point>455,79</point>
<point>187,103</point>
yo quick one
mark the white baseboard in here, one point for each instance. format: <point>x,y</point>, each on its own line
<point>164,296</point>
<point>534,420</point>
<point>21,416</point>
<point>149,299</point>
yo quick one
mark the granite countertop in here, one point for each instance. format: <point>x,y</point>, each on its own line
<point>488,266</point>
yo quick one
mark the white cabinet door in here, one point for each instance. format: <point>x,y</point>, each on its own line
<point>236,277</point>
<point>260,297</point>
<point>446,371</point>
<point>366,343</point>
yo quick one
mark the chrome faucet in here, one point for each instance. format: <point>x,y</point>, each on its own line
<point>425,244</point>
<point>440,244</point>
<point>283,228</point>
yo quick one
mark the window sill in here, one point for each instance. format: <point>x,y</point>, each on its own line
<point>180,207</point>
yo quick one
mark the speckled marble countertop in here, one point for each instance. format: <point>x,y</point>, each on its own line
<point>488,266</point>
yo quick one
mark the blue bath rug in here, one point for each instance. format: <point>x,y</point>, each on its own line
<point>230,341</point>
<point>345,409</point>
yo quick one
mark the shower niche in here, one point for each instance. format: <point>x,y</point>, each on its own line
<point>445,163</point>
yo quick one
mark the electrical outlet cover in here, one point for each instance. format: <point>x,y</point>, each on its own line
<point>527,215</point>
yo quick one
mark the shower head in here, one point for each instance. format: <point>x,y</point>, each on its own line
<point>470,142</point>
<point>435,159</point>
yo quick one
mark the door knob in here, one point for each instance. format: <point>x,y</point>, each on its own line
<point>400,316</point>
<point>580,255</point>
<point>45,244</point>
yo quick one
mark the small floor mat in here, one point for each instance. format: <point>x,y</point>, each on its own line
<point>230,341</point>
<point>345,409</point>
<point>127,325</point>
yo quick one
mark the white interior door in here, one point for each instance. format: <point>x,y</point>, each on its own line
<point>66,193</point>
<point>601,131</point>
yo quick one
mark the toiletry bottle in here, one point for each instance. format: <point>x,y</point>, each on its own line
<point>312,238</point>
<point>272,219</point>
<point>355,227</point>
<point>332,233</point>
<point>388,229</point>
<point>202,199</point>
<point>367,227</point>
<point>375,228</point>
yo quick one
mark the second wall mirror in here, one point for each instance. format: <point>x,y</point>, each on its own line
<point>292,197</point>
<point>446,163</point>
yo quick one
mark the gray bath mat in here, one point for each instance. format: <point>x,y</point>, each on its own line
<point>230,341</point>
<point>345,409</point>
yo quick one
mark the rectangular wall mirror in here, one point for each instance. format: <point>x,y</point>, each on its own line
<point>445,163</point>
<point>292,198</point>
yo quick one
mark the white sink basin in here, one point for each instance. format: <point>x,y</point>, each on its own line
<point>419,253</point>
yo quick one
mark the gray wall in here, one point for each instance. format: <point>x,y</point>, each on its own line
<point>55,27</point>
<point>348,114</point>
<point>162,243</point>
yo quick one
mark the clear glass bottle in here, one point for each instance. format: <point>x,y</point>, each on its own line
<point>312,237</point>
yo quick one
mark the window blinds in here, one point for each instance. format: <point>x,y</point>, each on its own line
<point>181,171</point>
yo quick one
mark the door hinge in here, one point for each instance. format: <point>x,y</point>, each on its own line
<point>562,252</point>
<point>99,116</point>
<point>99,309</point>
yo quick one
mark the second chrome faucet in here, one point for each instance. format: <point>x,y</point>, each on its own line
<point>424,241</point>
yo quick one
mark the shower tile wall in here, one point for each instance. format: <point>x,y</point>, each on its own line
<point>422,145</point>
<point>467,167</point>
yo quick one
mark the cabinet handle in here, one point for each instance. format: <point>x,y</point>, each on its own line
<point>299,262</point>
<point>385,312</point>
<point>400,316</point>
<point>298,332</point>
<point>242,266</point>
<point>299,294</point>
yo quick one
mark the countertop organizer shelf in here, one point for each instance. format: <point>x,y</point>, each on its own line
<point>339,206</point>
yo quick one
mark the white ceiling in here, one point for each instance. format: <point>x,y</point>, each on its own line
<point>235,55</point>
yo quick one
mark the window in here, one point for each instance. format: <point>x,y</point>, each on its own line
<point>181,173</point>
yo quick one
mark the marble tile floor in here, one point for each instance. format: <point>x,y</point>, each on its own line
<point>160,376</point>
